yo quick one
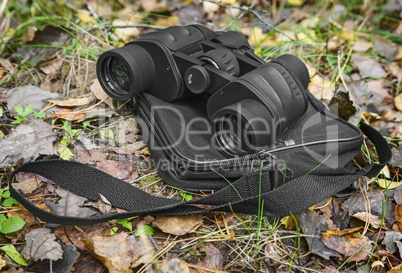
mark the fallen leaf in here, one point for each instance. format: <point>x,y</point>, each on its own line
<point>258,37</point>
<point>14,254</point>
<point>12,224</point>
<point>120,169</point>
<point>63,265</point>
<point>174,265</point>
<point>71,102</point>
<point>89,156</point>
<point>125,33</point>
<point>386,184</point>
<point>375,221</point>
<point>361,46</point>
<point>154,5</point>
<point>214,257</point>
<point>87,263</point>
<point>398,102</point>
<point>312,224</point>
<point>321,88</point>
<point>51,66</point>
<point>26,143</point>
<point>180,224</point>
<point>69,205</point>
<point>2,262</point>
<point>348,245</point>
<point>28,186</point>
<point>398,214</point>
<point>85,16</point>
<point>23,213</point>
<point>210,8</point>
<point>29,94</point>
<point>51,40</point>
<point>68,115</point>
<point>356,203</point>
<point>369,68</point>
<point>99,93</point>
<point>391,240</point>
<point>75,235</point>
<point>101,7</point>
<point>386,49</point>
<point>40,245</point>
<point>114,252</point>
<point>271,253</point>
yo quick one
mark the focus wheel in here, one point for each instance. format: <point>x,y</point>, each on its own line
<point>223,59</point>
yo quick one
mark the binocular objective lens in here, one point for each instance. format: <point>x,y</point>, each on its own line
<point>119,74</point>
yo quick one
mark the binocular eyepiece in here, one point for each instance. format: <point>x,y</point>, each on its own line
<point>252,103</point>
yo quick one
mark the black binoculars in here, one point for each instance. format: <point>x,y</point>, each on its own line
<point>251,102</point>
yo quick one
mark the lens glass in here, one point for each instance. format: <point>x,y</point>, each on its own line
<point>119,74</point>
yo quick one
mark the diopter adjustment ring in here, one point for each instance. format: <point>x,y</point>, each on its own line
<point>222,59</point>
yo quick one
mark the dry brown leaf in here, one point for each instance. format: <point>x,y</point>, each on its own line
<point>120,169</point>
<point>321,88</point>
<point>40,245</point>
<point>398,213</point>
<point>398,102</point>
<point>51,66</point>
<point>71,102</point>
<point>348,245</point>
<point>96,88</point>
<point>2,262</point>
<point>174,265</point>
<point>114,252</point>
<point>68,115</point>
<point>214,257</point>
<point>374,220</point>
<point>271,253</point>
<point>89,156</point>
<point>28,186</point>
<point>23,213</point>
<point>178,225</point>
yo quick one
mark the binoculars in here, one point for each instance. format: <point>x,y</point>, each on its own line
<point>252,103</point>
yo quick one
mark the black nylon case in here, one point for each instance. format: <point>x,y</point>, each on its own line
<point>316,137</point>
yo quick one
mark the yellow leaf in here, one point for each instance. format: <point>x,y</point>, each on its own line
<point>85,16</point>
<point>384,183</point>
<point>348,35</point>
<point>295,2</point>
<point>228,2</point>
<point>289,222</point>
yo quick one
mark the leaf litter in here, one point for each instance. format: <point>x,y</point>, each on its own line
<point>26,143</point>
<point>345,216</point>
